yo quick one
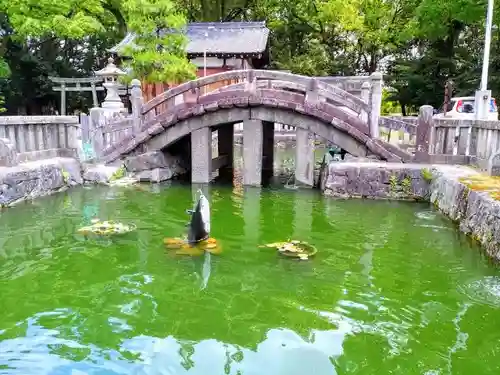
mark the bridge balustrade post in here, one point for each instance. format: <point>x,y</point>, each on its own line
<point>137,100</point>
<point>304,149</point>
<point>375,103</point>
<point>425,137</point>
<point>251,82</point>
<point>365,96</point>
<point>97,123</point>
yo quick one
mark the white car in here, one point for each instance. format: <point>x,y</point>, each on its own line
<point>464,107</point>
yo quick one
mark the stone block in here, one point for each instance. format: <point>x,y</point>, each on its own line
<point>72,171</point>
<point>494,164</point>
<point>8,153</point>
<point>156,175</point>
<point>98,174</point>
<point>151,160</point>
<point>36,179</point>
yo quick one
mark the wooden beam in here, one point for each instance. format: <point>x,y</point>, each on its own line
<point>75,80</point>
<point>59,88</point>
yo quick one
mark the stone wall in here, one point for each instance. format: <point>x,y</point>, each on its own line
<point>375,180</point>
<point>30,180</point>
<point>35,179</point>
<point>476,212</point>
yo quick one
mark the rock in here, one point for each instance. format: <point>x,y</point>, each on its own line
<point>155,166</point>
<point>151,160</point>
<point>35,179</point>
<point>99,174</point>
<point>376,180</point>
<point>494,164</point>
<point>156,175</point>
<point>72,171</point>
<point>8,153</point>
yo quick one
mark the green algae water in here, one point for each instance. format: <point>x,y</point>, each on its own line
<point>394,289</point>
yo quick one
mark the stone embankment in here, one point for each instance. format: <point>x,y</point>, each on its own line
<point>35,179</point>
<point>459,192</point>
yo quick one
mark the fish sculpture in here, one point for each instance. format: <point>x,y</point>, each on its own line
<point>198,240</point>
<point>199,225</point>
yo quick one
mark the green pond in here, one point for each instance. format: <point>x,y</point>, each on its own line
<point>393,289</point>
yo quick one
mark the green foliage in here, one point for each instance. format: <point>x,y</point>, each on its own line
<point>389,106</point>
<point>426,175</point>
<point>2,102</point>
<point>393,184</point>
<point>418,45</point>
<point>406,187</point>
<point>119,173</point>
<point>156,57</point>
<point>65,176</point>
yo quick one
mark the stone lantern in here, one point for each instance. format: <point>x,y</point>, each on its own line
<point>111,73</point>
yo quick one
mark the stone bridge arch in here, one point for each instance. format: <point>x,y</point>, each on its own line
<point>256,97</point>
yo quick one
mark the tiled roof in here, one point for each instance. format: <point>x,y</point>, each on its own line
<point>228,38</point>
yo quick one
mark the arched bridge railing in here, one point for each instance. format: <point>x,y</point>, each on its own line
<point>366,107</point>
<point>356,115</point>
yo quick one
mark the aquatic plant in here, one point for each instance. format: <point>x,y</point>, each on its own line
<point>294,249</point>
<point>119,173</point>
<point>105,228</point>
<point>406,186</point>
<point>65,176</point>
<point>393,184</point>
<point>426,175</point>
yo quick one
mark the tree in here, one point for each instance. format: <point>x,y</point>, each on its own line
<point>158,53</point>
<point>56,37</point>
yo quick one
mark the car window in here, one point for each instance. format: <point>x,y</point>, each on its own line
<point>465,106</point>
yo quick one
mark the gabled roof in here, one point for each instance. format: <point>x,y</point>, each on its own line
<point>219,38</point>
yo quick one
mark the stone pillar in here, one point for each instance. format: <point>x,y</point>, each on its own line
<point>424,134</point>
<point>304,158</point>
<point>201,156</point>
<point>252,152</point>
<point>137,101</point>
<point>96,127</point>
<point>375,103</point>
<point>365,95</point>
<point>268,148</point>
<point>225,146</point>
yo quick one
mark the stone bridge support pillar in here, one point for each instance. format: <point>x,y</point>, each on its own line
<point>252,152</point>
<point>201,156</point>
<point>304,158</point>
<point>268,148</point>
<point>225,145</point>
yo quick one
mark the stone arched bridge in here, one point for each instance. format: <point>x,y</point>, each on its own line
<point>258,98</point>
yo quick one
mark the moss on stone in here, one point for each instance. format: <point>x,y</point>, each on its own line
<point>481,182</point>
